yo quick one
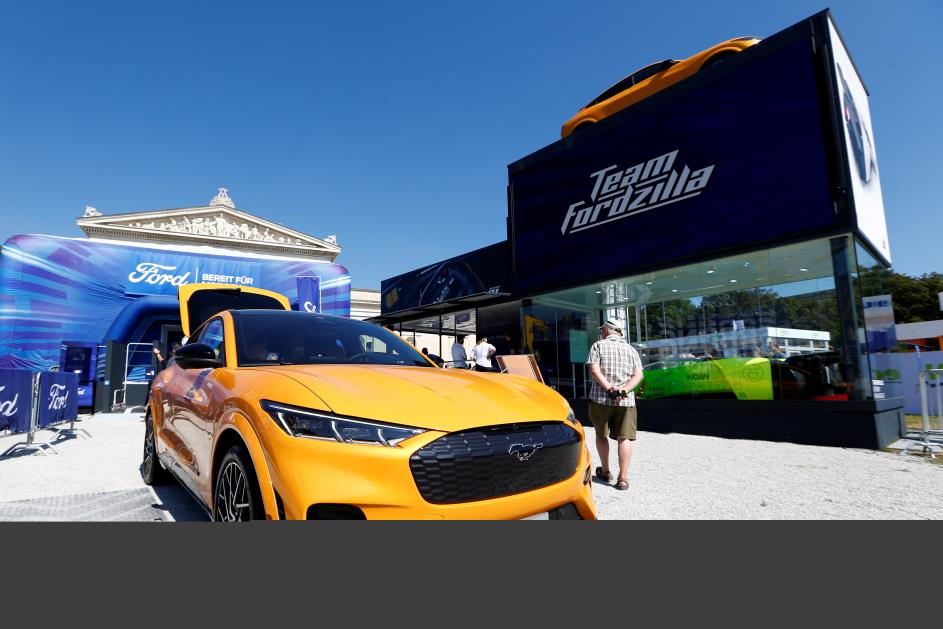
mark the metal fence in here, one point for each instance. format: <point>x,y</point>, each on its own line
<point>39,401</point>
<point>928,439</point>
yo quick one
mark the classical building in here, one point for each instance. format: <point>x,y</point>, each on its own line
<point>218,224</point>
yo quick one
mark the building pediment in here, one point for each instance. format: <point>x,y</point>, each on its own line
<point>218,224</point>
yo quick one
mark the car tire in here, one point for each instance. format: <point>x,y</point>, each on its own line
<point>152,470</point>
<point>237,495</point>
<point>720,57</point>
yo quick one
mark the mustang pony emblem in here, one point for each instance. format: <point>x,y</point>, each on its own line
<point>524,451</point>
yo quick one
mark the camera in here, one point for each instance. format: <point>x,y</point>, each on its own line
<point>617,394</point>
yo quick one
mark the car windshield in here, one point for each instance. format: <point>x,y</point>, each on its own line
<point>269,337</point>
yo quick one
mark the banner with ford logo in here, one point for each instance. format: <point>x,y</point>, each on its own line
<point>54,289</point>
<point>16,399</point>
<point>58,398</point>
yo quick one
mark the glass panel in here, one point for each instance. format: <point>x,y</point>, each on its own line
<point>559,336</point>
<point>501,324</point>
<point>874,286</point>
<point>878,335</point>
<point>763,325</point>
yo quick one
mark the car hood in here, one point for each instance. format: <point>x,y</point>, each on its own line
<point>425,397</point>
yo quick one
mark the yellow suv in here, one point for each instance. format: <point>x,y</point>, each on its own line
<point>267,413</point>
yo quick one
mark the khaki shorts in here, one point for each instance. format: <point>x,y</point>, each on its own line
<point>615,422</point>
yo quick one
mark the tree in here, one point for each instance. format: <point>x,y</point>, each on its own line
<point>915,298</point>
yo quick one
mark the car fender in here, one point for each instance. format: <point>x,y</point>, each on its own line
<point>714,53</point>
<point>237,422</point>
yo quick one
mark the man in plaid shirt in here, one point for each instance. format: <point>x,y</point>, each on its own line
<point>616,369</point>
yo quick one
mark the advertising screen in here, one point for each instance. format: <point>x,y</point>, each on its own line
<point>64,289</point>
<point>485,270</point>
<point>859,141</point>
<point>732,158</point>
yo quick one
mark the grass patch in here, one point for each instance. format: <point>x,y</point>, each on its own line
<point>915,422</point>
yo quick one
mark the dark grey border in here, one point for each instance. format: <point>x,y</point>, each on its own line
<point>458,574</point>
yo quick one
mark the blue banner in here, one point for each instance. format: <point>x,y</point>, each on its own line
<point>56,289</point>
<point>58,398</point>
<point>16,389</point>
<point>309,293</point>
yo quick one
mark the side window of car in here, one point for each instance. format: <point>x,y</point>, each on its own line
<point>652,70</point>
<point>621,86</point>
<point>212,335</point>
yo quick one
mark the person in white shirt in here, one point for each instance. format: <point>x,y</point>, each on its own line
<point>482,354</point>
<point>459,356</point>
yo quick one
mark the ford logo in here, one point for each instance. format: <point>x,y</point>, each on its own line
<point>524,451</point>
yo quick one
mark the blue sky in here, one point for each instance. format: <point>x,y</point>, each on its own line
<point>388,124</point>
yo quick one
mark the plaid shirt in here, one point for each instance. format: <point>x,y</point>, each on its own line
<point>618,361</point>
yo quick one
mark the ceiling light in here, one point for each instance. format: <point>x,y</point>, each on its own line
<point>598,292</point>
<point>674,290</point>
<point>804,270</point>
<point>733,281</point>
<point>649,283</point>
<point>709,271</point>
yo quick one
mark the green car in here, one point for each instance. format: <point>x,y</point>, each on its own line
<point>744,378</point>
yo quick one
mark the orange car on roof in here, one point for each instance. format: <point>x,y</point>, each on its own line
<point>651,79</point>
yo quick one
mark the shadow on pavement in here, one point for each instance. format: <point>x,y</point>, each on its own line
<point>179,504</point>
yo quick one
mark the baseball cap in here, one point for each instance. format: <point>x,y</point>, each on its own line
<point>611,326</point>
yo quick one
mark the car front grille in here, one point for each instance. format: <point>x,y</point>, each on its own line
<point>495,461</point>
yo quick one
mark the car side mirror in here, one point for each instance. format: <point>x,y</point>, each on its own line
<point>196,356</point>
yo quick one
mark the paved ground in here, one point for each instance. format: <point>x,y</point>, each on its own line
<point>93,479</point>
<point>672,477</point>
<point>691,477</point>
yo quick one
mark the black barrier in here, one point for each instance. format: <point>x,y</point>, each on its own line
<point>58,398</point>
<point>16,394</point>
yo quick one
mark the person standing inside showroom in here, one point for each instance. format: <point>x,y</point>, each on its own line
<point>459,356</point>
<point>616,369</point>
<point>483,353</point>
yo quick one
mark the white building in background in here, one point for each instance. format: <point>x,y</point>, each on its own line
<point>219,228</point>
<point>927,334</point>
<point>364,303</point>
<point>742,342</point>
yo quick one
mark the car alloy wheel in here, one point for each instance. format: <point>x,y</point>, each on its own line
<point>152,471</point>
<point>232,494</point>
<point>238,498</point>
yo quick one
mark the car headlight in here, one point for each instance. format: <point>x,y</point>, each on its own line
<point>302,422</point>
<point>571,416</point>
